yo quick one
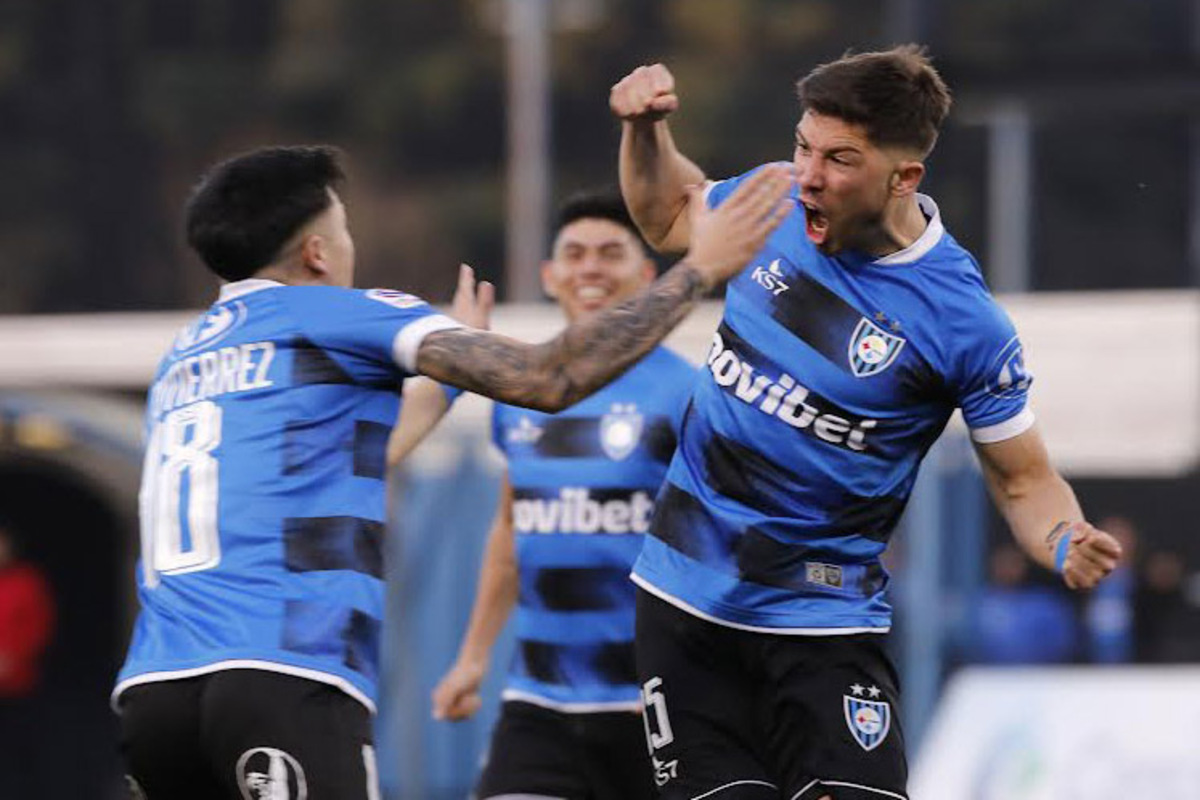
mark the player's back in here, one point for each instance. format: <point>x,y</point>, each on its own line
<point>262,500</point>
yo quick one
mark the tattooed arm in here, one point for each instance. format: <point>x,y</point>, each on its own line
<point>556,374</point>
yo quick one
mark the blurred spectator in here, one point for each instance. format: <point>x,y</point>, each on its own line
<point>1109,609</point>
<point>26,625</point>
<point>1160,608</point>
<point>1020,623</point>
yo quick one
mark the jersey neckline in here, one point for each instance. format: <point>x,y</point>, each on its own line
<point>925,242</point>
<point>236,289</point>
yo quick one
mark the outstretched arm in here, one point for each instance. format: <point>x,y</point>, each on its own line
<point>425,403</point>
<point>457,694</point>
<point>1041,510</point>
<point>588,354</point>
<point>654,175</point>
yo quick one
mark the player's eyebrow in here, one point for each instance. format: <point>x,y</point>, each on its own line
<point>843,148</point>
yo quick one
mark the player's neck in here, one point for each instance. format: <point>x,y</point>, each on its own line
<point>291,275</point>
<point>902,224</point>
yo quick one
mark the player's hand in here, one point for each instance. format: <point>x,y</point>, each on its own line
<point>646,94</point>
<point>472,304</point>
<point>456,697</point>
<point>725,239</point>
<point>1091,555</point>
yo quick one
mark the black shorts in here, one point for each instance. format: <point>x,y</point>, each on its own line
<point>240,734</point>
<point>539,752</point>
<point>761,715</point>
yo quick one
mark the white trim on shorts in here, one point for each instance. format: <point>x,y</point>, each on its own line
<point>695,612</point>
<point>711,792</point>
<point>569,708</point>
<point>241,663</point>
<point>860,787</point>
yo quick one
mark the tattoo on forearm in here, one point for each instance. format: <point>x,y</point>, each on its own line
<point>1057,532</point>
<point>555,374</point>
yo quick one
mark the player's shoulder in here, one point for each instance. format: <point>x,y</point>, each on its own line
<point>345,294</point>
<point>716,191</point>
<point>336,307</point>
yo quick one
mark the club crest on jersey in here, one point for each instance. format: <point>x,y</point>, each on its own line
<point>210,328</point>
<point>620,430</point>
<point>1007,378</point>
<point>394,298</point>
<point>869,720</point>
<point>524,432</point>
<point>265,773</point>
<point>872,349</point>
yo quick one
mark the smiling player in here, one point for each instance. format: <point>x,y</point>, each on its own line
<point>575,506</point>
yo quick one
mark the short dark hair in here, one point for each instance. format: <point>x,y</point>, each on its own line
<point>596,204</point>
<point>896,95</point>
<point>246,208</point>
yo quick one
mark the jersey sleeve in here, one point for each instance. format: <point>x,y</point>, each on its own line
<point>992,383</point>
<point>375,328</point>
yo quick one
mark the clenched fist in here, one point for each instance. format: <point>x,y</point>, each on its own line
<point>1091,554</point>
<point>646,94</point>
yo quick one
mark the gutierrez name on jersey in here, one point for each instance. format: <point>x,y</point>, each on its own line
<point>784,398</point>
<point>226,370</point>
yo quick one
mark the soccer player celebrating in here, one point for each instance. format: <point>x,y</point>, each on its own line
<point>844,349</point>
<point>575,502</point>
<point>253,664</point>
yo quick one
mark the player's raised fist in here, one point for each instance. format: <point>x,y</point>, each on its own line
<point>1091,555</point>
<point>646,94</point>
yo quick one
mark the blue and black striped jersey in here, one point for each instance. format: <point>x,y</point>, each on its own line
<point>828,380</point>
<point>584,482</point>
<point>262,498</point>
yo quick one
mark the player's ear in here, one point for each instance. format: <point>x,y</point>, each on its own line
<point>906,177</point>
<point>314,253</point>
<point>549,280</point>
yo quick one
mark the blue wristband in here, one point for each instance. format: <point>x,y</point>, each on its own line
<point>1060,549</point>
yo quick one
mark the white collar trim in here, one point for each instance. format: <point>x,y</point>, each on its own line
<point>231,291</point>
<point>925,242</point>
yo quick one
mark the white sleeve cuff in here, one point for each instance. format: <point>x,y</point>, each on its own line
<point>1013,426</point>
<point>408,340</point>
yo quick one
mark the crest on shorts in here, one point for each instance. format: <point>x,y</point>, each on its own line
<point>872,349</point>
<point>620,430</point>
<point>869,720</point>
<point>266,773</point>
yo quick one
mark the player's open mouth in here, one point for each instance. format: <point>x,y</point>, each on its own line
<point>816,224</point>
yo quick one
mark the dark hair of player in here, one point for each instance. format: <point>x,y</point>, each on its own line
<point>596,204</point>
<point>246,208</point>
<point>896,95</point>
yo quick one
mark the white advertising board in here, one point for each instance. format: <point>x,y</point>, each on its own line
<point>1064,734</point>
